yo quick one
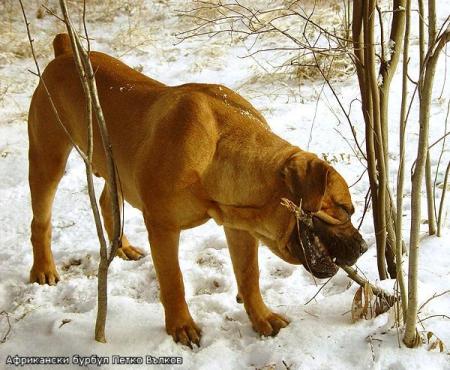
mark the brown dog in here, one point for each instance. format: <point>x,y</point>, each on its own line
<point>186,154</point>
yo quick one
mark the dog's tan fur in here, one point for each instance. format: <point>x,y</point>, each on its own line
<point>184,154</point>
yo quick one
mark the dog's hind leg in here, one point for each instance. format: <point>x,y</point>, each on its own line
<point>126,251</point>
<point>47,155</point>
<point>244,256</point>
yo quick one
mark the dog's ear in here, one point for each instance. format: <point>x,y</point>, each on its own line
<point>306,178</point>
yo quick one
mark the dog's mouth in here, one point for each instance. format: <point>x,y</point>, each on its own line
<point>306,245</point>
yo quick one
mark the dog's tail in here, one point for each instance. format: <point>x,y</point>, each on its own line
<point>61,44</point>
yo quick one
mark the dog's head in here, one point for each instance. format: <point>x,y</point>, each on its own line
<point>324,236</point>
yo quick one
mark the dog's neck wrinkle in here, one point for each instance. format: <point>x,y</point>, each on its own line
<point>244,163</point>
<point>256,220</point>
<point>245,186</point>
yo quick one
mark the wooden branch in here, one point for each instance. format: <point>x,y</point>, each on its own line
<point>431,203</point>
<point>387,71</point>
<point>87,78</point>
<point>421,35</point>
<point>111,169</point>
<point>382,40</point>
<point>353,274</point>
<point>431,22</point>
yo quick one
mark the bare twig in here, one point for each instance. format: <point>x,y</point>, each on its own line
<point>358,179</point>
<point>39,74</point>
<point>347,116</point>
<point>85,28</point>
<point>443,137</point>
<point>315,115</point>
<point>51,12</point>
<point>434,296</point>
<point>442,316</point>
<point>367,200</point>
<point>318,291</point>
<point>8,330</point>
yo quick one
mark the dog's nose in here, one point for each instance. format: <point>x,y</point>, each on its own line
<point>363,247</point>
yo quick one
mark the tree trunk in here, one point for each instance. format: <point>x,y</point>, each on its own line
<point>401,168</point>
<point>425,91</point>
<point>375,102</point>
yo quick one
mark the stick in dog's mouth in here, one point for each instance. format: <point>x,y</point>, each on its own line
<point>307,246</point>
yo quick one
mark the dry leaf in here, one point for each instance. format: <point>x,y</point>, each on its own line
<point>366,305</point>
<point>357,307</point>
<point>434,342</point>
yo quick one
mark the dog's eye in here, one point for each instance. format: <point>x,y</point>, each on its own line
<point>345,214</point>
<point>349,210</point>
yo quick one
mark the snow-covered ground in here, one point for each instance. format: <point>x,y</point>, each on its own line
<point>59,320</point>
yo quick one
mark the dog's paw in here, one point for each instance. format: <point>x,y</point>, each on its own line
<point>127,252</point>
<point>269,324</point>
<point>44,275</point>
<point>186,333</point>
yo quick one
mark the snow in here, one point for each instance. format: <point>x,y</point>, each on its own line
<point>59,320</point>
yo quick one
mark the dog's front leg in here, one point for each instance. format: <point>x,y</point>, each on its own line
<point>244,255</point>
<point>164,248</point>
